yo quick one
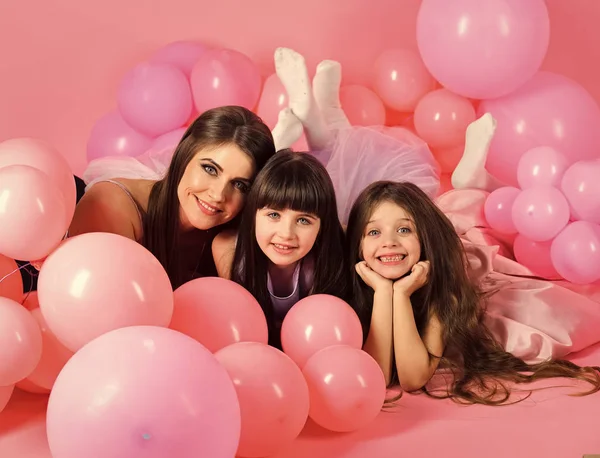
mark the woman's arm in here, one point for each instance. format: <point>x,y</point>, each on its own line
<point>223,250</point>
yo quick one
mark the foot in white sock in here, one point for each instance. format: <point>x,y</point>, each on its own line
<point>470,171</point>
<point>287,130</point>
<point>291,70</point>
<point>326,90</point>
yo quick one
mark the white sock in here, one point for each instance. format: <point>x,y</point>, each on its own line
<point>470,171</point>
<point>292,72</point>
<point>326,90</point>
<point>287,130</point>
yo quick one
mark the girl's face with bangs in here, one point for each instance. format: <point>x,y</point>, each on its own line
<point>286,236</point>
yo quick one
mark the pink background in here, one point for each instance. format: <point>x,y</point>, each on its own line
<point>61,61</point>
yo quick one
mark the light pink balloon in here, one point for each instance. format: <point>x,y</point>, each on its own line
<point>168,140</point>
<point>483,49</point>
<point>540,213</point>
<point>535,256</point>
<point>40,155</point>
<point>5,394</point>
<point>581,185</point>
<point>576,252</point>
<point>180,54</point>
<point>155,98</point>
<point>225,77</point>
<point>32,213</point>
<point>273,99</point>
<point>362,106</point>
<point>541,166</point>
<point>20,342</point>
<point>11,282</point>
<point>346,388</point>
<point>112,136</point>
<point>272,393</point>
<point>217,313</point>
<point>401,79</point>
<point>143,391</point>
<point>442,117</point>
<point>550,110</point>
<point>54,355</point>
<point>498,209</point>
<point>96,282</point>
<point>317,322</point>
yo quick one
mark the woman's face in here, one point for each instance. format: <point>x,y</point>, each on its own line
<point>213,188</point>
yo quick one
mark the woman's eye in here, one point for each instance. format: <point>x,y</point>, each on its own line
<point>209,169</point>
<point>243,187</point>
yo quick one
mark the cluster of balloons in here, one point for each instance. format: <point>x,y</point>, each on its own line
<point>555,215</point>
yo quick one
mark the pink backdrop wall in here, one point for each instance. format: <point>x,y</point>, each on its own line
<point>61,61</point>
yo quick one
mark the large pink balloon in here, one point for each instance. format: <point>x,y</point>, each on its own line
<point>54,355</point>
<point>32,213</point>
<point>20,342</point>
<point>576,252</point>
<point>581,185</point>
<point>535,256</point>
<point>498,209</point>
<point>217,313</point>
<point>317,322</point>
<point>40,155</point>
<point>225,77</point>
<point>401,79</point>
<point>540,213</point>
<point>541,166</point>
<point>5,395</point>
<point>346,388</point>
<point>362,106</point>
<point>273,99</point>
<point>155,98</point>
<point>30,387</point>
<point>94,283</point>
<point>180,54</point>
<point>550,110</point>
<point>112,136</point>
<point>272,393</point>
<point>441,118</point>
<point>483,49</point>
<point>143,391</point>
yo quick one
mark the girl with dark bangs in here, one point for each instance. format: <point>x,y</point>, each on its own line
<point>289,244</point>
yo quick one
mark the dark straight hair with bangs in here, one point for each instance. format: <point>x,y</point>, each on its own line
<point>295,181</point>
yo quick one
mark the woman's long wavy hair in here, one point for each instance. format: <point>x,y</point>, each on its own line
<point>213,128</point>
<point>480,365</point>
<point>295,181</point>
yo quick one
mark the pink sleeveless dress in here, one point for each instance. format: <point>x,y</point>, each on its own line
<point>535,319</point>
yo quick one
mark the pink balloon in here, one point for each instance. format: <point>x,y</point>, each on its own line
<point>181,54</point>
<point>581,185</point>
<point>217,313</point>
<point>346,388</point>
<point>273,99</point>
<point>540,213</point>
<point>169,140</point>
<point>225,77</point>
<point>32,213</point>
<point>317,322</point>
<point>96,282</point>
<point>498,209</point>
<point>112,136</point>
<point>448,158</point>
<point>541,166</point>
<point>401,79</point>
<point>535,256</point>
<point>362,106</point>
<point>11,282</point>
<point>155,98</point>
<point>481,49</point>
<point>5,394</point>
<point>442,117</point>
<point>576,252</point>
<point>272,393</point>
<point>550,110</point>
<point>143,391</point>
<point>30,300</point>
<point>54,355</point>
<point>40,155</point>
<point>30,387</point>
<point>20,342</point>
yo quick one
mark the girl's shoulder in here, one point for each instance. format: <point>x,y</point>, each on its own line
<point>223,250</point>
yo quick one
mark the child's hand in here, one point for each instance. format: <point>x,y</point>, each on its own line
<point>372,278</point>
<point>418,276</point>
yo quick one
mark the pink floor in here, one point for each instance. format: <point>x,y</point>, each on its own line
<point>549,425</point>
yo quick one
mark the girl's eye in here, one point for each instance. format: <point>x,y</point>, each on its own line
<point>273,215</point>
<point>373,232</point>
<point>303,221</point>
<point>209,169</point>
<point>243,187</point>
<point>404,230</point>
